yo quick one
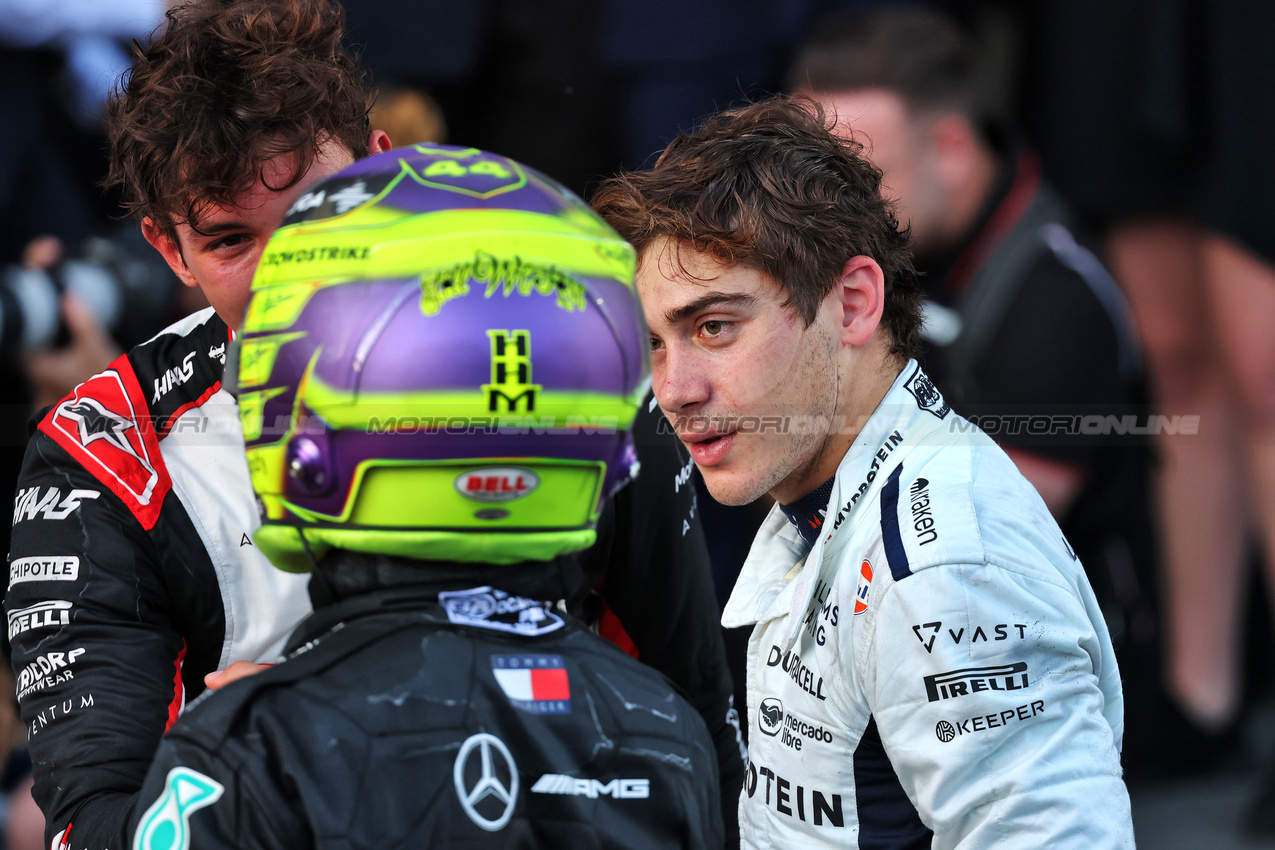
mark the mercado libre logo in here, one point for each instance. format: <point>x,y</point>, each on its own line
<point>470,171</point>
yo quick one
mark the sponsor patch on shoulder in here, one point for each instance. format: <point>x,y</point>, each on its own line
<point>105,425</point>
<point>488,608</point>
<point>926,394</point>
<point>536,684</point>
<point>166,824</point>
<point>864,591</point>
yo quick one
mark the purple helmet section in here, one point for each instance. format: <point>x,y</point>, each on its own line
<point>376,339</point>
<point>524,189</point>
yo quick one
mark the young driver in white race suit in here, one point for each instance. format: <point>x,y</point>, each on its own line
<point>928,666</point>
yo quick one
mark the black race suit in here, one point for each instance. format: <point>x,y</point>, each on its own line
<point>133,575</point>
<point>486,721</point>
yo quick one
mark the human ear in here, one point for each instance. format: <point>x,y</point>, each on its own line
<point>860,293</point>
<point>169,250</point>
<point>378,141</point>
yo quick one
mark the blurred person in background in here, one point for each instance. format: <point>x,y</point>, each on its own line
<point>1021,319</point>
<point>1156,121</point>
<point>135,487</point>
<point>434,697</point>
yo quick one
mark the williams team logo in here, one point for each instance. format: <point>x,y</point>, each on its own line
<point>971,680</point>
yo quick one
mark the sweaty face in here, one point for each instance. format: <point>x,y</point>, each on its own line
<point>222,258</point>
<point>896,142</point>
<point>750,390</point>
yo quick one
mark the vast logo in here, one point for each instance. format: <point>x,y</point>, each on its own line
<point>166,824</point>
<point>486,781</point>
<point>770,716</point>
<point>510,371</point>
<point>971,680</point>
<point>29,503</point>
<point>927,632</point>
<point>619,789</point>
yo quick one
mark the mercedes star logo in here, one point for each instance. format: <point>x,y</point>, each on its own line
<point>491,783</point>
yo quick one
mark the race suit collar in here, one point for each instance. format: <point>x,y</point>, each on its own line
<point>775,578</point>
<point>808,513</point>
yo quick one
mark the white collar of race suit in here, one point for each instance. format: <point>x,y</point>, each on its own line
<point>775,579</point>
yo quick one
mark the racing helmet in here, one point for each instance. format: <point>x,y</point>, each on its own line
<point>441,359</point>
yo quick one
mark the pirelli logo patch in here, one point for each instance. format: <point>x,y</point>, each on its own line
<point>971,680</point>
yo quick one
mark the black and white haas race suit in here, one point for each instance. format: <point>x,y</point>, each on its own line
<point>133,575</point>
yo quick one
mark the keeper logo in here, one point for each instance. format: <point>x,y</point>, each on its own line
<point>947,732</point>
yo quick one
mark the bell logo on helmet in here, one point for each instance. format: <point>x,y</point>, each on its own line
<point>496,483</point>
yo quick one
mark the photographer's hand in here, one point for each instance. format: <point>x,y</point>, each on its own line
<point>55,372</point>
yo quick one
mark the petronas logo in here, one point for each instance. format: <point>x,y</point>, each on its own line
<point>166,824</point>
<point>510,372</point>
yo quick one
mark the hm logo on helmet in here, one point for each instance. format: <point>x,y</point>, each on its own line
<point>510,372</point>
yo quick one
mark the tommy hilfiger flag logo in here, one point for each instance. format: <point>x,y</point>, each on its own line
<point>536,684</point>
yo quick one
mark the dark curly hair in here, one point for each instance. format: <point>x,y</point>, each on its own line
<point>770,187</point>
<point>222,89</point>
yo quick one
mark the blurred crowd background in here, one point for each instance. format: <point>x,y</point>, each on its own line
<point>1090,195</point>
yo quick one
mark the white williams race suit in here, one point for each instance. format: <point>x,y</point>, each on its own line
<point>936,672</point>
